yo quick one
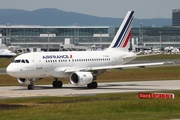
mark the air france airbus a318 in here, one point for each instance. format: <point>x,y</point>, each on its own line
<point>81,67</point>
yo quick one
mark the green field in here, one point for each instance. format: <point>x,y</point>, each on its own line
<point>122,106</point>
<point>101,107</point>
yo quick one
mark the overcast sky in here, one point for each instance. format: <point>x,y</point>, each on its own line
<point>101,8</point>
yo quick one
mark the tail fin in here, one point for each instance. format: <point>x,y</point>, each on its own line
<point>123,35</point>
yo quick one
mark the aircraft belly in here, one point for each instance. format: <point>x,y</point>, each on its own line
<point>60,75</point>
<point>59,72</point>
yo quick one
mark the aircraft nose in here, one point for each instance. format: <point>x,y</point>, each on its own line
<point>10,70</point>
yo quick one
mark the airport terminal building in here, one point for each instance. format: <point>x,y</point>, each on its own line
<point>54,37</point>
<point>176,17</point>
<point>157,36</point>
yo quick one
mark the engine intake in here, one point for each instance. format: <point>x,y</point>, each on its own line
<point>81,78</point>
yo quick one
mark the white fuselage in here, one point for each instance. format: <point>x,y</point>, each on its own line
<point>53,64</point>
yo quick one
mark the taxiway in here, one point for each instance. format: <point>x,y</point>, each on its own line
<point>103,88</point>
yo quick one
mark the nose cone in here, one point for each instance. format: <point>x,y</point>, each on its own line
<point>11,70</point>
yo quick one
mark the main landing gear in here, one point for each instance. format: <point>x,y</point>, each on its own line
<point>57,84</point>
<point>92,85</point>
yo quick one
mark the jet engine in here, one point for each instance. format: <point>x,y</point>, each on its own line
<point>27,81</point>
<point>81,78</point>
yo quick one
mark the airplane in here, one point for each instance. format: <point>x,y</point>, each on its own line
<point>81,67</point>
<point>5,53</point>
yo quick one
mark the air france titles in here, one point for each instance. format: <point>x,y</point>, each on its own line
<point>55,56</point>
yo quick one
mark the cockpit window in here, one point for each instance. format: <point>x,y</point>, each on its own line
<point>27,61</point>
<point>23,61</point>
<point>17,61</point>
<point>20,61</point>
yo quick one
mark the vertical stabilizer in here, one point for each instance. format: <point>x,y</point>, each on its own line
<point>122,37</point>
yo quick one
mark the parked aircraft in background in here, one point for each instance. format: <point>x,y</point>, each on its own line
<point>5,53</point>
<point>81,67</point>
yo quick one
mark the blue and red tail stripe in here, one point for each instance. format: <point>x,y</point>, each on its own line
<point>125,34</point>
<point>127,39</point>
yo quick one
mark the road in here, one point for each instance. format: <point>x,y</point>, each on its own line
<point>70,90</point>
<point>3,71</point>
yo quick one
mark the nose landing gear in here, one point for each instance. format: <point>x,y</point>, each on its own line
<point>30,87</point>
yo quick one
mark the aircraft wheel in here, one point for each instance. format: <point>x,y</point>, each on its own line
<point>92,85</point>
<point>57,84</point>
<point>30,87</point>
<point>54,84</point>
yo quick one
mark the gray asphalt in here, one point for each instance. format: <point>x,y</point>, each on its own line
<point>103,88</point>
<point>3,71</point>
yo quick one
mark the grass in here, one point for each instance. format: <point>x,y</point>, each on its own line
<point>160,57</point>
<point>102,107</point>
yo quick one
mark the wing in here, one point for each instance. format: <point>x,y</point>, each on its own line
<point>143,65</point>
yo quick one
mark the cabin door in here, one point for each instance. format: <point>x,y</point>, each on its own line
<point>38,61</point>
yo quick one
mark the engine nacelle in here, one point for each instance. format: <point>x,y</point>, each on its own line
<point>27,81</point>
<point>81,78</point>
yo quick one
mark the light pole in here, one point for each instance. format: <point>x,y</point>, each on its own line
<point>141,34</point>
<point>8,33</point>
<point>100,45</point>
<point>160,32</point>
<point>48,41</point>
<point>76,34</point>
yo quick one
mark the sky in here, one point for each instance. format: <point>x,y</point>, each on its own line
<point>100,8</point>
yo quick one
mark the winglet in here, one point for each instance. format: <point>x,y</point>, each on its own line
<point>171,62</point>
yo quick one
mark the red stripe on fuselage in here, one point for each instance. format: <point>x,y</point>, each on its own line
<point>127,39</point>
